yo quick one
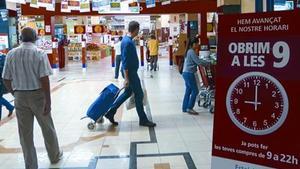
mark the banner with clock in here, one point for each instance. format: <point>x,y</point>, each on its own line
<point>256,123</point>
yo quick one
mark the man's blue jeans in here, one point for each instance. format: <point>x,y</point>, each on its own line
<point>191,91</point>
<point>118,67</point>
<point>8,106</point>
<point>135,87</point>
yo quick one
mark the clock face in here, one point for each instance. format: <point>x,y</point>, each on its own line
<point>257,103</point>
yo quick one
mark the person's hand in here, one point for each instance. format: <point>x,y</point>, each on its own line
<point>47,108</point>
<point>208,63</point>
<point>126,83</point>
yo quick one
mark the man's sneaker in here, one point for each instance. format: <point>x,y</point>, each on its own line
<point>147,124</point>
<point>60,156</point>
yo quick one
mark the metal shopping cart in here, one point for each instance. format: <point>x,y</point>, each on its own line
<point>207,87</point>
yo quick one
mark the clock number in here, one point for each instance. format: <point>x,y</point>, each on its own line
<point>273,93</point>
<point>265,122</point>
<point>281,51</point>
<point>254,123</point>
<point>276,105</point>
<point>236,101</point>
<point>239,91</point>
<point>273,116</point>
<point>245,119</point>
<point>267,85</point>
<point>256,82</point>
<point>238,111</point>
<point>246,84</point>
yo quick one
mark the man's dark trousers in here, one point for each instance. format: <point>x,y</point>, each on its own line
<point>136,88</point>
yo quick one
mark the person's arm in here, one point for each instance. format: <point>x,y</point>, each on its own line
<point>45,71</point>
<point>157,47</point>
<point>45,83</point>
<point>125,60</point>
<point>126,82</point>
<point>197,60</point>
<point>8,86</point>
<point>6,76</point>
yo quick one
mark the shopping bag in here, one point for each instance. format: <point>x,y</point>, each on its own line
<point>130,104</point>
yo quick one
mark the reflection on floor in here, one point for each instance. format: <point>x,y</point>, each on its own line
<point>179,141</point>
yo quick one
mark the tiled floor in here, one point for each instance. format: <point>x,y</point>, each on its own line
<point>180,141</point>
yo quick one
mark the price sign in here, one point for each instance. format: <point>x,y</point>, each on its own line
<point>257,104</point>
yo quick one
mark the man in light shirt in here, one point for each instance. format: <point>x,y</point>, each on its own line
<point>117,47</point>
<point>26,75</point>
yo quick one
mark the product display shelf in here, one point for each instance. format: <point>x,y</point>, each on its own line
<point>74,52</point>
<point>94,55</point>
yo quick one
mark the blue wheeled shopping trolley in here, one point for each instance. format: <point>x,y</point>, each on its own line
<point>101,105</point>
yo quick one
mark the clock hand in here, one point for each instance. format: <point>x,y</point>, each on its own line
<point>256,93</point>
<point>251,102</point>
<point>255,102</point>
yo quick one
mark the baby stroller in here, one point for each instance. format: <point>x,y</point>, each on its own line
<point>207,88</point>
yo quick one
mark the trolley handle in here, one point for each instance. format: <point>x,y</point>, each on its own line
<point>117,94</point>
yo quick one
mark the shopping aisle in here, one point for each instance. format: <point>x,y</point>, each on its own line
<point>180,141</point>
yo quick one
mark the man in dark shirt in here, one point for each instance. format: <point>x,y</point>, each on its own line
<point>132,82</point>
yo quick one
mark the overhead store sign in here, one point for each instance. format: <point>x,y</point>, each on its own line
<point>256,123</point>
<point>126,7</point>
<point>48,4</point>
<point>79,29</point>
<point>104,6</point>
<point>65,6</point>
<point>165,2</point>
<point>150,3</point>
<point>134,7</point>
<point>33,3</point>
<point>74,5</point>
<point>115,5</point>
<point>101,6</point>
<point>95,5</point>
<point>85,6</point>
<point>17,1</point>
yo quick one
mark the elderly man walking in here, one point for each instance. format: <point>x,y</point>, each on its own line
<point>25,75</point>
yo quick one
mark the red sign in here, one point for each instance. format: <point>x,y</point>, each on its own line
<point>98,28</point>
<point>257,100</point>
<point>79,29</point>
